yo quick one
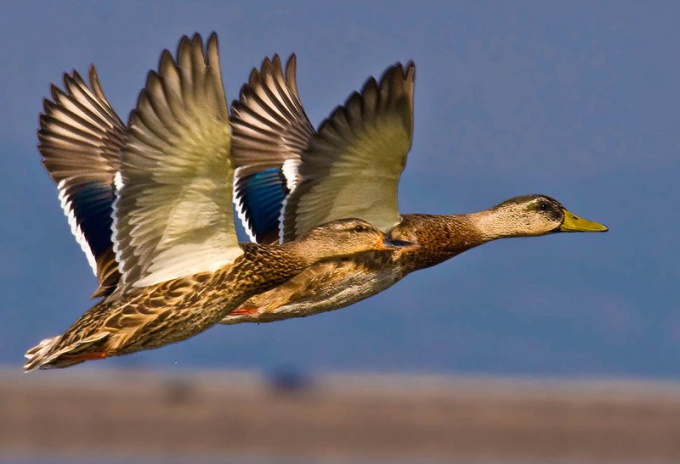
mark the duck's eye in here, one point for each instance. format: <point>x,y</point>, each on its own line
<point>543,206</point>
<point>360,228</point>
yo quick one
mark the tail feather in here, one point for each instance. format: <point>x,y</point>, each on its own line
<point>45,355</point>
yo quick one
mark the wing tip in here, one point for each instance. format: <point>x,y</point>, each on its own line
<point>190,96</point>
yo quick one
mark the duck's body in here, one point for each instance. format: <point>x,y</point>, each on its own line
<point>351,166</point>
<point>329,286</point>
<point>322,287</point>
<point>164,313</point>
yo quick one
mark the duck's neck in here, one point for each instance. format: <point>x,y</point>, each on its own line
<point>495,223</point>
<point>443,237</point>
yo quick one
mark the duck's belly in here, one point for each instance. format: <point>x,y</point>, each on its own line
<point>320,288</point>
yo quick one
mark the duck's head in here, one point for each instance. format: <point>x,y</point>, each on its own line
<point>345,237</point>
<point>531,215</point>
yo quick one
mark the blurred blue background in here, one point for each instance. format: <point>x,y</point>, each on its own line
<point>577,100</point>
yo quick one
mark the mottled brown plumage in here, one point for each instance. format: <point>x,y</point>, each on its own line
<point>174,310</point>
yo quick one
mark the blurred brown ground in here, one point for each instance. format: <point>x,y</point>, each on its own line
<point>138,413</point>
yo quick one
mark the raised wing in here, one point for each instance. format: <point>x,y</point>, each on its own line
<point>80,138</point>
<point>352,166</point>
<point>270,129</point>
<point>173,215</point>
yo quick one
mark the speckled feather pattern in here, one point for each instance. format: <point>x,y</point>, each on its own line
<point>323,287</point>
<point>175,310</point>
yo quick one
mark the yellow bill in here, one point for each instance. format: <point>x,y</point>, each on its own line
<point>573,223</point>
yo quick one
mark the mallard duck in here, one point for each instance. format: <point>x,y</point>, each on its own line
<point>180,268</point>
<point>290,178</point>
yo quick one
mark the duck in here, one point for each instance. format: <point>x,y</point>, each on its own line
<point>163,242</point>
<point>290,177</point>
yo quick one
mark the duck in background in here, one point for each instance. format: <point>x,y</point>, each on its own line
<point>167,258</point>
<point>290,178</point>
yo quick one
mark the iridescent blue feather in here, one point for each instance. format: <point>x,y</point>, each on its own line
<point>80,138</point>
<point>92,206</point>
<point>261,195</point>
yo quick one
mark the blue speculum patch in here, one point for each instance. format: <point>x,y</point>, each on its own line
<point>263,195</point>
<point>93,208</point>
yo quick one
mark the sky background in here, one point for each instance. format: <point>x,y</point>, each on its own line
<point>577,100</point>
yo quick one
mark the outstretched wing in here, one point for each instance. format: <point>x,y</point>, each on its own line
<point>353,164</point>
<point>80,138</point>
<point>173,216</point>
<point>271,129</point>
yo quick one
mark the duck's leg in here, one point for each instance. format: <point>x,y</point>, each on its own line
<point>245,311</point>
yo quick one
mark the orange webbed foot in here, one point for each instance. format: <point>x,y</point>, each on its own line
<point>244,311</point>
